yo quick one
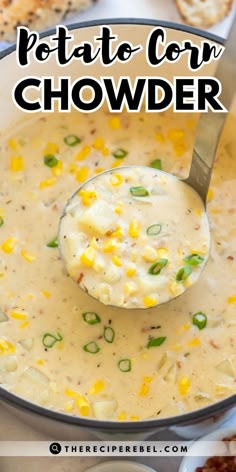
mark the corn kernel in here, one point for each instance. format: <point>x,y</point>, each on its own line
<point>130,288</point>
<point>88,256</point>
<point>105,152</point>
<point>118,209</point>
<point>179,149</point>
<point>144,355</point>
<point>71,393</point>
<point>210,194</point>
<point>215,210</point>
<point>223,389</point>
<point>115,122</point>
<point>118,233</point>
<point>186,326</point>
<point>134,418</point>
<point>32,196</point>
<point>175,134</point>
<point>149,254</point>
<point>162,252</point>
<point>17,164</point>
<point>115,164</point>
<point>231,300</point>
<point>176,288</point>
<point>12,144</point>
<point>6,347</point>
<point>160,138</point>
<point>60,346</point>
<point>98,387</point>
<point>82,174</point>
<point>117,261</point>
<point>51,148</point>
<point>150,300</point>
<point>194,342</point>
<point>27,256</point>
<point>133,256</point>
<point>116,180</point>
<point>9,245</point>
<point>202,251</point>
<point>87,196</point>
<point>176,347</point>
<point>58,169</point>
<point>110,245</point>
<point>99,144</point>
<point>130,271</point>
<point>47,183</point>
<point>40,361</point>
<point>46,294</point>
<point>180,252</point>
<point>144,390</point>
<point>18,315</point>
<point>68,406</point>
<point>198,212</point>
<point>147,379</point>
<point>184,386</point>
<point>134,229</point>
<point>83,153</point>
<point>98,170</point>
<point>83,405</point>
<point>122,416</point>
<point>24,324</point>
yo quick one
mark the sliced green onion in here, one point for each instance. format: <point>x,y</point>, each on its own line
<point>154,342</point>
<point>125,365</point>
<point>53,242</point>
<point>194,259</point>
<point>154,230</point>
<point>156,164</point>
<point>91,318</point>
<point>139,191</point>
<point>91,347</point>
<point>109,334</point>
<point>157,266</point>
<point>50,339</point>
<point>72,140</point>
<point>183,273</point>
<point>1,221</point>
<point>50,160</point>
<point>200,320</point>
<point>120,153</point>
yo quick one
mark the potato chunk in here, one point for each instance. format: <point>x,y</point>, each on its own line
<point>99,218</point>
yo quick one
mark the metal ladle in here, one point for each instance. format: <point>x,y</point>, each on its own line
<point>209,128</point>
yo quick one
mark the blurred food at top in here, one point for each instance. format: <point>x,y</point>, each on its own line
<point>36,14</point>
<point>203,13</point>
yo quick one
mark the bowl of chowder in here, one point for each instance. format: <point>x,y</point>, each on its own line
<point>65,358</point>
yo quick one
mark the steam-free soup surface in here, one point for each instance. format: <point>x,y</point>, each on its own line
<point>63,350</point>
<point>113,230</point>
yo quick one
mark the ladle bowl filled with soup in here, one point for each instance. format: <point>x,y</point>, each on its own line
<point>66,358</point>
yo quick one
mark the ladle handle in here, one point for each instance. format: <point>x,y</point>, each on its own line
<point>211,123</point>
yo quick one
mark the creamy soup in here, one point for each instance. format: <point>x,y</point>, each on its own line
<point>127,236</point>
<point>68,352</point>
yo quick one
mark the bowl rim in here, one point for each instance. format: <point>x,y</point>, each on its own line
<point>151,424</point>
<point>217,435</point>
